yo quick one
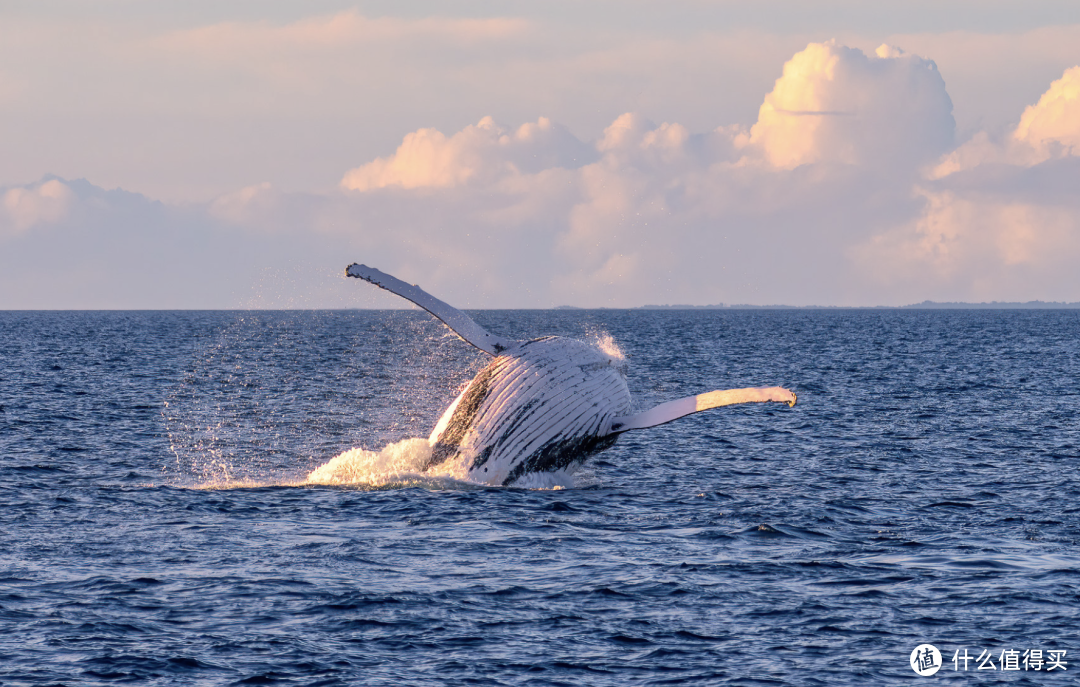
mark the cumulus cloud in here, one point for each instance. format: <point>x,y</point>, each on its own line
<point>1052,125</point>
<point>1000,214</point>
<point>976,246</point>
<point>187,106</point>
<point>115,249</point>
<point>23,207</point>
<point>846,190</point>
<point>836,104</point>
<point>1047,129</point>
<point>653,212</point>
<point>480,153</point>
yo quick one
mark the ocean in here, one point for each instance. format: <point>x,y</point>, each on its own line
<point>160,524</point>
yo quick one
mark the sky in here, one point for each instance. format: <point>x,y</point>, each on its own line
<point>506,154</point>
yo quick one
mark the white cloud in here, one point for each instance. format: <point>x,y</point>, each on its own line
<point>480,153</point>
<point>663,214</point>
<point>1052,125</point>
<point>974,246</point>
<point>188,104</point>
<point>187,114</point>
<point>823,200</point>
<point>1001,214</point>
<point>1048,129</point>
<point>993,76</point>
<point>836,104</point>
<point>26,206</point>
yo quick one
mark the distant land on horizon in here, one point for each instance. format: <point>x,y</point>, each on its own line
<point>925,305</point>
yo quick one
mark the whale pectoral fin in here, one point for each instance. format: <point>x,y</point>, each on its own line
<point>458,322</point>
<point>673,410</point>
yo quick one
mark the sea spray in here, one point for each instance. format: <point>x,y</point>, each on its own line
<point>606,343</point>
<point>399,462</point>
<point>402,464</point>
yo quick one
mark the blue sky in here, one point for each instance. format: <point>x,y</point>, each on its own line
<point>513,154</point>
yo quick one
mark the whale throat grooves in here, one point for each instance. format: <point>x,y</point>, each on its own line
<point>543,406</point>
<point>464,412</point>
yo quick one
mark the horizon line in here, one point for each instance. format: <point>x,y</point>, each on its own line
<point>925,305</point>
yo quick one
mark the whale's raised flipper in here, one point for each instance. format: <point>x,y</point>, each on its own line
<point>460,323</point>
<point>673,410</point>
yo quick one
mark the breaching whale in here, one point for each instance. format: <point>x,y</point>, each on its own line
<point>543,405</point>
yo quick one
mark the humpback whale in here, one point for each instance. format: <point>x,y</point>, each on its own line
<point>542,405</point>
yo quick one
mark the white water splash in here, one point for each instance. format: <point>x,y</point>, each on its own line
<point>396,464</point>
<point>606,343</point>
<point>402,464</point>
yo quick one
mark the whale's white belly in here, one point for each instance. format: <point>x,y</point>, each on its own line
<point>542,406</point>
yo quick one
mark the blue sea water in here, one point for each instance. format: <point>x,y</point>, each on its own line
<point>157,528</point>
